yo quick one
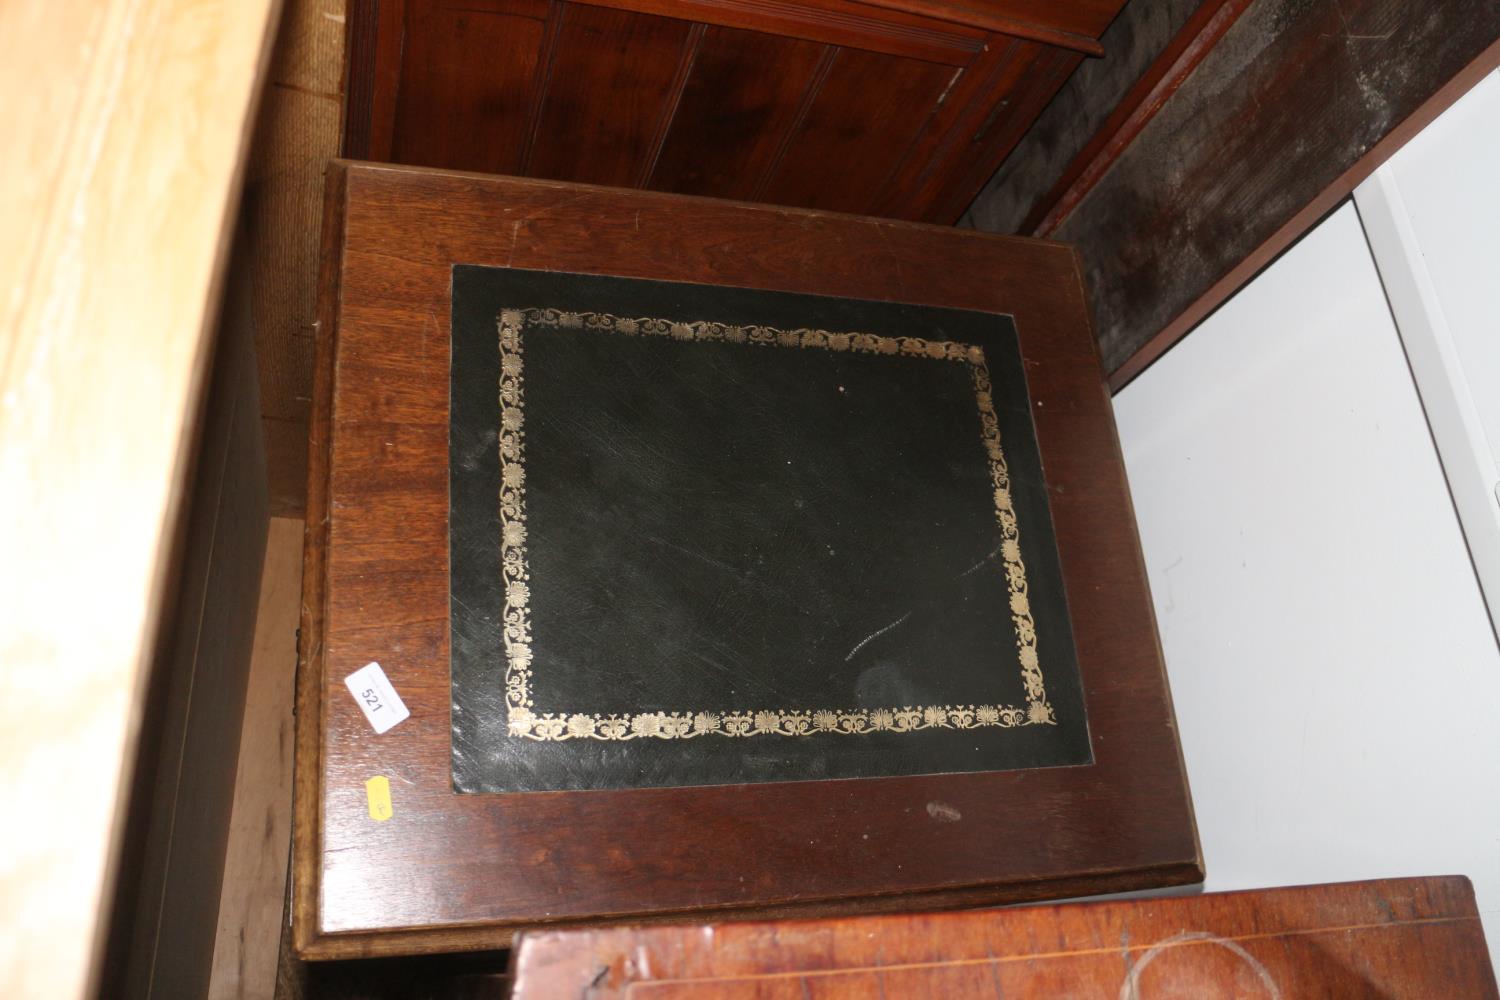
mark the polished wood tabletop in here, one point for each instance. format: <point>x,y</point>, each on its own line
<point>433,869</point>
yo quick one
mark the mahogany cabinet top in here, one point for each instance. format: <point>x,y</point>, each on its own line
<point>899,108</point>
<point>457,871</point>
<point>1398,938</point>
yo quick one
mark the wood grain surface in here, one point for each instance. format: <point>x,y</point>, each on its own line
<point>450,871</point>
<point>125,124</point>
<point>1075,25</point>
<point>850,23</point>
<point>746,89</point>
<point>1393,939</point>
<point>839,104</point>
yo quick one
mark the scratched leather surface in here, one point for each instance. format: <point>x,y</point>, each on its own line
<point>723,528</point>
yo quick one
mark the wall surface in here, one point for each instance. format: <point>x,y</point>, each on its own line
<point>1336,679</point>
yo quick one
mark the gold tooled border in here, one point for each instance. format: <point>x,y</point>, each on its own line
<point>521,721</point>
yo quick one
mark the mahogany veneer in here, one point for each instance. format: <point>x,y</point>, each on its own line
<point>453,871</point>
<point>1398,938</point>
<point>901,108</point>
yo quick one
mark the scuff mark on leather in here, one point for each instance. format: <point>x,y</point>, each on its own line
<point>875,635</point>
<point>985,561</point>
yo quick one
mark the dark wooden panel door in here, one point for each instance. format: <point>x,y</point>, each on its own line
<point>859,122</point>
<point>637,60</point>
<point>893,108</point>
<point>467,73</point>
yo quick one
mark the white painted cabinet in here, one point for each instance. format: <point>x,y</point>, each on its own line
<point>1336,677</point>
<point>1432,216</point>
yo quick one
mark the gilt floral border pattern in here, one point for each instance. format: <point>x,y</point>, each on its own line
<point>523,722</point>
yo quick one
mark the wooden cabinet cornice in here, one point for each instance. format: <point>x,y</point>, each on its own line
<point>897,108</point>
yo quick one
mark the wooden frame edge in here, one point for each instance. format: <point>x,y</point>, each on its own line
<point>307,766</point>
<point>676,956</point>
<point>931,10</point>
<point>355,168</point>
<point>467,938</point>
<point>1140,558</point>
<point>891,30</point>
<point>1167,72</point>
<point>1012,26</point>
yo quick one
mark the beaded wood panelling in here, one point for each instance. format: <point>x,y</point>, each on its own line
<point>901,108</point>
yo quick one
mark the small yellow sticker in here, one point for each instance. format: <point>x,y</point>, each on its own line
<point>378,790</point>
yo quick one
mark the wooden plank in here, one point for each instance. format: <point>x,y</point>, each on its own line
<point>361,37</point>
<point>251,905</point>
<point>463,871</point>
<point>466,78</point>
<point>986,84</point>
<point>977,145</point>
<point>131,136</point>
<point>1075,26</point>
<point>856,131</point>
<point>1398,938</point>
<point>831,22</point>
<point>375,32</point>
<point>642,62</point>
<point>739,104</point>
<point>1280,118</point>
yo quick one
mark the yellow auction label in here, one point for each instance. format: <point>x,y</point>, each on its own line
<point>378,791</point>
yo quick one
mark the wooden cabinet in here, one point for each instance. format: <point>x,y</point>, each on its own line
<point>1416,938</point>
<point>437,868</point>
<point>900,108</point>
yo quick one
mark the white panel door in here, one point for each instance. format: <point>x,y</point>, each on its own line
<point>1432,215</point>
<point>1336,679</point>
